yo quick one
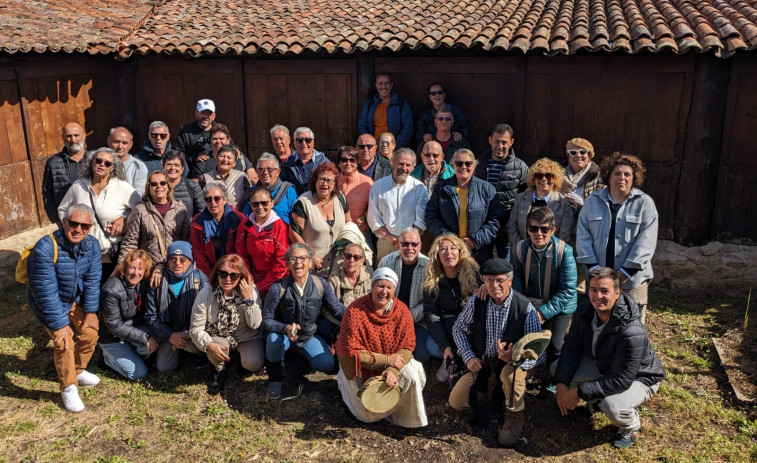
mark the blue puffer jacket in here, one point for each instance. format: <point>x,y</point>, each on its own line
<point>399,118</point>
<point>75,277</point>
<point>484,214</point>
<point>562,285</point>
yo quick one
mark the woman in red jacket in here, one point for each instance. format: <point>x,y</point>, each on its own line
<point>214,230</point>
<point>262,241</point>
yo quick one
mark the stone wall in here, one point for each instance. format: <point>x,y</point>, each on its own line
<point>714,267</point>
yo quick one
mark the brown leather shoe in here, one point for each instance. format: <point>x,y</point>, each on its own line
<point>510,431</point>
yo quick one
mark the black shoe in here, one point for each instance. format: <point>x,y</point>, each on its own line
<point>217,382</point>
<point>590,409</point>
<point>200,361</point>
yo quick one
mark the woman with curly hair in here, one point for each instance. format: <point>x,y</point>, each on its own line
<point>320,214</point>
<point>545,177</point>
<point>451,278</point>
<point>226,316</point>
<point>617,226</point>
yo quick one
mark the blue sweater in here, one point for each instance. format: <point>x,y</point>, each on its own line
<point>75,277</point>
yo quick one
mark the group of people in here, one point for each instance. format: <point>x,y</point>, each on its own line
<point>199,251</point>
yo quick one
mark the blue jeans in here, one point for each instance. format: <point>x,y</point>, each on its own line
<point>127,359</point>
<point>317,352</point>
<point>425,347</point>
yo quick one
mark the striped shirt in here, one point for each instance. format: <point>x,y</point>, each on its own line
<point>496,317</point>
<point>494,171</point>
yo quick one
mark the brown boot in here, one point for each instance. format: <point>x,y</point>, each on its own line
<point>510,431</point>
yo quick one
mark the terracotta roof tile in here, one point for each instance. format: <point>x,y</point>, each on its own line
<point>71,26</point>
<point>245,27</point>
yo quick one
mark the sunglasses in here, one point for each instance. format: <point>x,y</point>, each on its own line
<point>161,183</point>
<point>464,163</point>
<point>410,244</point>
<point>213,199</point>
<point>159,135</point>
<point>534,229</point>
<point>436,93</point>
<point>348,160</point>
<point>84,226</point>
<point>540,175</point>
<point>432,155</point>
<point>577,152</point>
<point>365,147</point>
<point>444,119</point>
<point>259,203</point>
<point>104,162</point>
<point>223,274</point>
<point>348,256</point>
<point>303,140</point>
<point>268,169</point>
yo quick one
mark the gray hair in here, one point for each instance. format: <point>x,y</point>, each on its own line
<point>304,129</point>
<point>80,208</point>
<point>404,152</point>
<point>279,127</point>
<point>113,130</point>
<point>118,166</point>
<point>157,125</point>
<point>213,185</point>
<point>269,157</point>
<point>296,246</point>
<point>464,151</point>
<point>410,230</point>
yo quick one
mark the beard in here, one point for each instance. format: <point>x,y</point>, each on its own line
<point>75,147</point>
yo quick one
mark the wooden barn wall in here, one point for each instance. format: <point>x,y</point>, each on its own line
<point>688,118</point>
<point>735,205</point>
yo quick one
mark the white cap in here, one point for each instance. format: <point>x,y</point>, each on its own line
<point>385,273</point>
<point>202,105</point>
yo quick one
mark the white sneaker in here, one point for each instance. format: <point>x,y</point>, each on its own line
<point>87,379</point>
<point>71,399</point>
<point>442,374</point>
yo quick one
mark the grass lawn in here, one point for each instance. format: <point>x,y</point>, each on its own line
<point>170,417</point>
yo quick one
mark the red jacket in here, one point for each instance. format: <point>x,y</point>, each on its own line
<point>205,253</point>
<point>264,252</point>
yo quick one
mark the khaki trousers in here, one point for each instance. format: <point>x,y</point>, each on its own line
<point>383,247</point>
<point>252,353</point>
<point>513,387</point>
<point>640,296</point>
<point>72,361</point>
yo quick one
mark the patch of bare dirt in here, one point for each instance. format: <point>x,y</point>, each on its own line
<point>737,350</point>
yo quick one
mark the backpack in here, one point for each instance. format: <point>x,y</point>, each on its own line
<point>21,274</point>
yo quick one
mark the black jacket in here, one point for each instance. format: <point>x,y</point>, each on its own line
<point>441,310</point>
<point>120,313</point>
<point>383,168</point>
<point>192,141</point>
<point>190,193</point>
<point>623,351</point>
<point>56,182</point>
<point>152,160</point>
<point>512,179</point>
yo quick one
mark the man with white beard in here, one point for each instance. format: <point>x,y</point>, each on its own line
<point>63,169</point>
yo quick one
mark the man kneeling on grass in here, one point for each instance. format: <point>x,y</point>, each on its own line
<point>607,359</point>
<point>64,292</point>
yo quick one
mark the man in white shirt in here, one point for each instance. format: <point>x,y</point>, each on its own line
<point>121,140</point>
<point>395,203</point>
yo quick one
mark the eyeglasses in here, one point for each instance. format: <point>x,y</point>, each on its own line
<point>577,152</point>
<point>159,135</point>
<point>104,162</point>
<point>327,181</point>
<point>295,259</point>
<point>161,183</point>
<point>348,161</point>
<point>534,229</point>
<point>259,203</point>
<point>303,140</point>
<point>213,199</point>
<point>348,256</point>
<point>547,175</point>
<point>385,142</point>
<point>267,169</point>
<point>432,155</point>
<point>365,147</point>
<point>73,224</point>
<point>410,244</point>
<point>444,119</point>
<point>464,163</point>
<point>223,274</point>
<point>436,92</point>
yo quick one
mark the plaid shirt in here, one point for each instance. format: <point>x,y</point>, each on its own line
<point>496,317</point>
